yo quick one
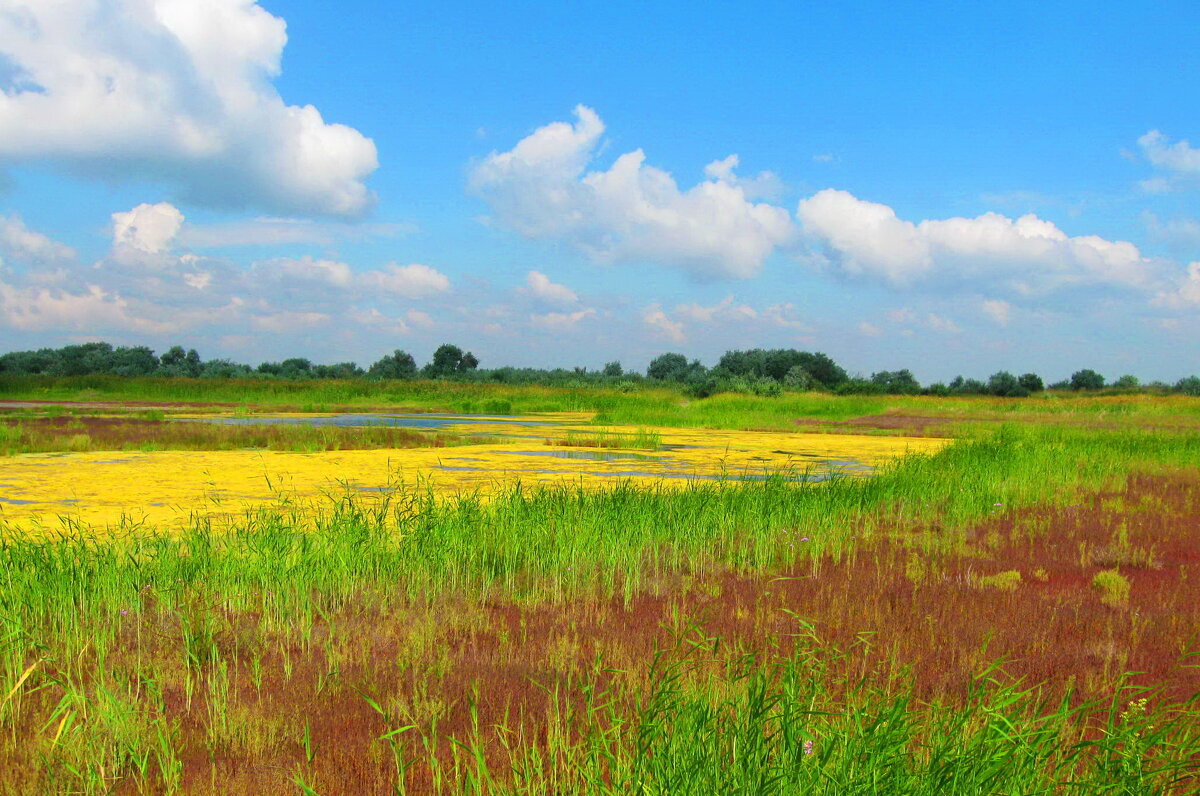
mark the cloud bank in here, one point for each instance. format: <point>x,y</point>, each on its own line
<point>177,91</point>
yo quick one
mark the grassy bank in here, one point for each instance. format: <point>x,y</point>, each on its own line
<point>863,635</point>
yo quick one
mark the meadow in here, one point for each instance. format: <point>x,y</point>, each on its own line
<point>1010,613</point>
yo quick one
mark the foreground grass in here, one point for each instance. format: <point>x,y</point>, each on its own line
<point>751,637</point>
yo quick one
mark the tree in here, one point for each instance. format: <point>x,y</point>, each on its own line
<point>1086,380</point>
<point>897,382</point>
<point>1006,385</point>
<point>1127,383</point>
<point>797,378</point>
<point>396,365</point>
<point>1188,386</point>
<point>448,360</point>
<point>468,362</point>
<point>668,367</point>
<point>1031,382</point>
<point>613,370</point>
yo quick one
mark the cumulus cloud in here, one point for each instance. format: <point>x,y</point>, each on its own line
<point>178,91</point>
<point>1185,293</point>
<point>561,321</point>
<point>997,309</point>
<point>724,310</point>
<point>661,324</point>
<point>1028,253</point>
<point>18,242</point>
<point>540,287</point>
<point>632,211</point>
<point>409,281</point>
<point>147,228</point>
<point>280,231</point>
<point>1179,159</point>
<point>305,269</point>
<point>1180,232</point>
<point>92,310</point>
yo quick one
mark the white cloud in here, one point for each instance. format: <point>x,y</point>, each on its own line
<point>174,90</point>
<point>1185,293</point>
<point>288,321</point>
<point>540,287</point>
<point>1179,158</point>
<point>661,324</point>
<point>92,311</point>
<point>147,228</point>
<point>419,318</point>
<point>725,310</point>
<point>409,281</point>
<point>632,211</point>
<point>940,324</point>
<point>997,309</point>
<point>766,185</point>
<point>561,321</point>
<point>278,231</point>
<point>305,269</point>
<point>20,243</point>
<point>1175,231</point>
<point>1031,254</point>
<point>868,329</point>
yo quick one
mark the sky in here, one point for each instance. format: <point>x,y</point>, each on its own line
<point>953,188</point>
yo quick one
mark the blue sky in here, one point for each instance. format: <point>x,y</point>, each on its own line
<point>952,188</point>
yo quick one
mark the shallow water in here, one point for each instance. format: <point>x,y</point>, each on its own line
<point>166,487</point>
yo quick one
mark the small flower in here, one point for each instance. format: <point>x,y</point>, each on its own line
<point>804,538</point>
<point>808,747</point>
<point>124,612</point>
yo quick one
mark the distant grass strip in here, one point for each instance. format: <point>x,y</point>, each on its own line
<point>92,433</point>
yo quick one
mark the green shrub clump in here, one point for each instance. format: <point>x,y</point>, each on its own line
<point>1113,586</point>
<point>1008,580</point>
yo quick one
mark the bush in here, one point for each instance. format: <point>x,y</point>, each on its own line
<point>1006,385</point>
<point>1113,587</point>
<point>1031,382</point>
<point>1004,581</point>
<point>1188,386</point>
<point>1127,382</point>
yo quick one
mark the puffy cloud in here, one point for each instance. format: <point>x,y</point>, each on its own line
<point>1178,158</point>
<point>305,269</point>
<point>288,321</point>
<point>540,287</point>
<point>1175,232</point>
<point>409,281</point>
<point>1185,293</point>
<point>561,321</point>
<point>631,211</point>
<point>20,243</point>
<point>997,309</point>
<point>1031,254</point>
<point>940,324</point>
<point>147,228</point>
<point>91,311</point>
<point>662,325</point>
<point>174,90</point>
<point>725,310</point>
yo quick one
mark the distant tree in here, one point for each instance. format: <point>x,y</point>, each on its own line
<point>961,386</point>
<point>396,365</point>
<point>134,361</point>
<point>1031,382</point>
<point>1188,386</point>
<point>1127,382</point>
<point>1086,380</point>
<point>937,388</point>
<point>449,360</point>
<point>223,369</point>
<point>897,382</point>
<point>1006,385</point>
<point>338,370</point>
<point>295,368</point>
<point>668,367</point>
<point>613,370</point>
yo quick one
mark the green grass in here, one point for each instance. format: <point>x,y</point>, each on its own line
<point>89,706</point>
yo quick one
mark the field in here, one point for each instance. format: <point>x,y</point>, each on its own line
<point>771,595</point>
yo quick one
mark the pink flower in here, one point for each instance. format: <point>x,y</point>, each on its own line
<point>808,747</point>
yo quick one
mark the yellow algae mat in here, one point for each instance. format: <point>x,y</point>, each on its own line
<point>164,488</point>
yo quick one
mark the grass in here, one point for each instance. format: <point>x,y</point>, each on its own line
<point>152,432</point>
<point>864,635</point>
<point>642,439</point>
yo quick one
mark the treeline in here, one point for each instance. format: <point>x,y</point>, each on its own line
<point>757,371</point>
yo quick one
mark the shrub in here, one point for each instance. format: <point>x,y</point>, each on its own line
<point>1113,587</point>
<point>1031,382</point>
<point>1008,580</point>
<point>1188,386</point>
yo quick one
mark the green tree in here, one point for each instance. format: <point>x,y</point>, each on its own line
<point>613,370</point>
<point>1031,382</point>
<point>1086,379</point>
<point>396,365</point>
<point>1006,385</point>
<point>1127,382</point>
<point>668,367</point>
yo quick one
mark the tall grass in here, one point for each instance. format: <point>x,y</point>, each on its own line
<point>134,660</point>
